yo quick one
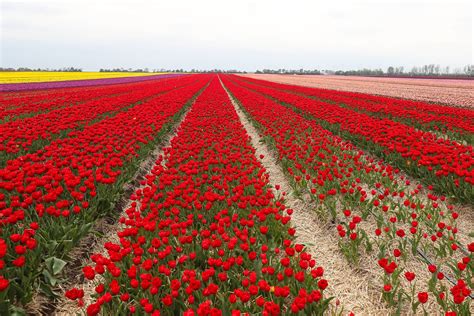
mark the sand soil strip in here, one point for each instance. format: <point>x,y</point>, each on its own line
<point>354,289</point>
<point>367,263</point>
<point>111,228</point>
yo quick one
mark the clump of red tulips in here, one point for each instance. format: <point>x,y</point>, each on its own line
<point>446,164</point>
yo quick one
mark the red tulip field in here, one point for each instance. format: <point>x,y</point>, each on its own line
<point>220,194</point>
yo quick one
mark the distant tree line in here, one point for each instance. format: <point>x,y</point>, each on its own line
<point>173,70</point>
<point>430,70</point>
<point>124,70</point>
<point>359,72</point>
<point>65,69</point>
<point>205,71</point>
<point>216,71</point>
<point>289,71</point>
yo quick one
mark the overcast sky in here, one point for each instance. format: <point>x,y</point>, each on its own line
<point>239,34</point>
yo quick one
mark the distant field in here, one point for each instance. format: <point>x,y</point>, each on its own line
<point>447,91</point>
<point>41,81</point>
<point>48,76</point>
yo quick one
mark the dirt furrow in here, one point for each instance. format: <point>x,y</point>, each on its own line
<point>353,288</point>
<point>111,228</point>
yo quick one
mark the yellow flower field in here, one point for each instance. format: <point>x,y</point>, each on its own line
<point>47,76</point>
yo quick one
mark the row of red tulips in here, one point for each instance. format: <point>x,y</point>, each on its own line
<point>19,106</point>
<point>457,122</point>
<point>205,235</point>
<point>21,136</point>
<point>373,206</point>
<point>25,100</point>
<point>447,165</point>
<point>50,199</point>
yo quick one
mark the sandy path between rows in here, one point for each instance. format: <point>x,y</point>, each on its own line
<point>67,307</point>
<point>355,289</point>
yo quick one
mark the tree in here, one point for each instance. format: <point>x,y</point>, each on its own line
<point>469,70</point>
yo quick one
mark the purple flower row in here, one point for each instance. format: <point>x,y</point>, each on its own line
<point>8,87</point>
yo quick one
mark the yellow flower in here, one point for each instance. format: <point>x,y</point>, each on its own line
<point>47,76</point>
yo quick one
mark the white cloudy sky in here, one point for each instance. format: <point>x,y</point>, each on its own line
<point>239,34</point>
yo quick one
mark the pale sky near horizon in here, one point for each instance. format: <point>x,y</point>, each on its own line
<point>246,35</point>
